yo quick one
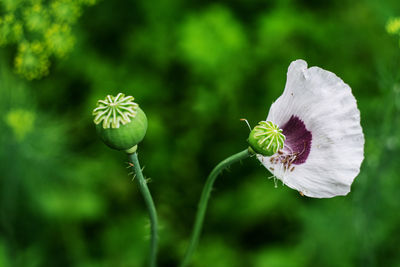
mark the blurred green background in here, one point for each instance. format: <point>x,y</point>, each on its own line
<point>195,67</point>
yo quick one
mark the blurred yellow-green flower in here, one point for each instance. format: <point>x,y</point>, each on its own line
<point>66,11</point>
<point>59,39</point>
<point>393,26</point>
<point>32,61</point>
<point>40,29</point>
<point>10,29</point>
<point>21,122</point>
<point>36,18</point>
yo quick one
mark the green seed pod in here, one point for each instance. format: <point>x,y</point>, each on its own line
<point>120,123</point>
<point>266,138</point>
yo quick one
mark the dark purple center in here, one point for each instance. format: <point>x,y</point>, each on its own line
<point>298,139</point>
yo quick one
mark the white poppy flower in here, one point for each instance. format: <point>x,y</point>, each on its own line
<point>324,143</point>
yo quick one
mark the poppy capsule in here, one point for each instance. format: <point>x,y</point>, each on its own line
<point>120,123</point>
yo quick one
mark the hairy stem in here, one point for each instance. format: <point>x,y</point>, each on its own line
<point>205,195</point>
<point>150,207</point>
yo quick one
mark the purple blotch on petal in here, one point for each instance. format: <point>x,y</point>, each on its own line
<point>298,139</point>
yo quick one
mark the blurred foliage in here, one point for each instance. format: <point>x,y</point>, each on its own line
<point>195,67</point>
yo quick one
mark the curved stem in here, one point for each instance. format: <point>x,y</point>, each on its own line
<point>205,195</point>
<point>150,207</point>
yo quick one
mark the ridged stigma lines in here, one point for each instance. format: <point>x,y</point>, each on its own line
<point>268,134</point>
<point>112,111</point>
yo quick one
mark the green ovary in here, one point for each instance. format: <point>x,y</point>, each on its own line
<point>266,138</point>
<point>120,123</point>
<point>127,135</point>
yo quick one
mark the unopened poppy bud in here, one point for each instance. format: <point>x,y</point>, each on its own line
<point>120,123</point>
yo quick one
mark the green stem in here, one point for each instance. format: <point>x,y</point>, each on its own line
<point>150,207</point>
<point>205,195</point>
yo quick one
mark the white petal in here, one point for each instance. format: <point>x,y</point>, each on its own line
<point>329,110</point>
